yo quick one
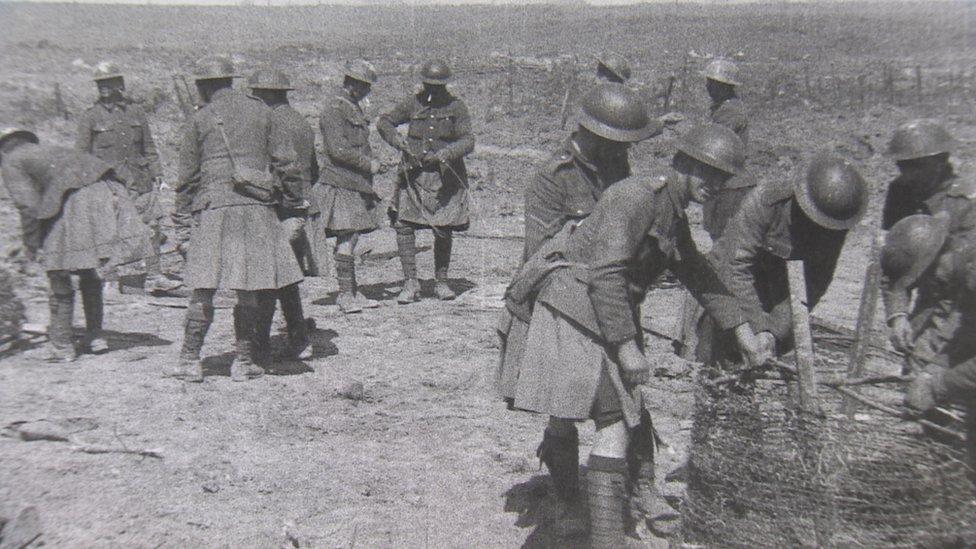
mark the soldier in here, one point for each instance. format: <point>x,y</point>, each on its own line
<point>584,288</point>
<point>919,253</point>
<point>721,78</point>
<point>927,183</point>
<point>345,194</point>
<point>612,67</point>
<point>77,218</point>
<point>806,219</point>
<point>716,213</point>
<point>565,190</point>
<point>272,87</point>
<point>432,188</point>
<point>116,130</point>
<point>226,213</point>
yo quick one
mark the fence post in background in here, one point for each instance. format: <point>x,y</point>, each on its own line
<point>806,81</point>
<point>684,76</point>
<point>918,83</point>
<point>511,81</point>
<point>59,101</point>
<point>667,93</point>
<point>890,83</point>
<point>861,96</point>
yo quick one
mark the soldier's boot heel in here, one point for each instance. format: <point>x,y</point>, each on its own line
<point>410,292</point>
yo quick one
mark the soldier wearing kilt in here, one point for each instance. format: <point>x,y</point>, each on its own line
<point>236,166</point>
<point>271,87</point>
<point>584,288</point>
<point>117,131</point>
<point>345,195</point>
<point>77,219</point>
<point>432,188</point>
<point>565,190</point>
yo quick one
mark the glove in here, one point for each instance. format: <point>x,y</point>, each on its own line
<point>293,228</point>
<point>900,333</point>
<point>920,397</point>
<point>633,364</point>
<point>750,347</point>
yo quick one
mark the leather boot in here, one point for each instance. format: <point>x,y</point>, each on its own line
<point>442,262</point>
<point>94,307</point>
<point>407,250</point>
<point>243,367</point>
<point>347,297</point>
<point>363,301</point>
<point>299,346</point>
<point>189,367</point>
<point>605,478</point>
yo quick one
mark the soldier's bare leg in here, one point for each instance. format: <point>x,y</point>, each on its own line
<point>345,272</point>
<point>291,308</point>
<point>61,302</point>
<point>91,299</point>
<point>606,485</point>
<point>443,241</point>
<point>245,314</point>
<point>406,238</point>
<point>199,317</point>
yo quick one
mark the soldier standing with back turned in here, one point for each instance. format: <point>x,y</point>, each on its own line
<point>272,87</point>
<point>432,187</point>
<point>236,167</point>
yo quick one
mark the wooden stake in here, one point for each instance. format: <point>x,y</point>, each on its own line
<point>802,338</point>
<point>667,93</point>
<point>865,319</point>
<point>59,101</point>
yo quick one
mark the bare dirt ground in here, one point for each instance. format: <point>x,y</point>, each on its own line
<point>425,455</point>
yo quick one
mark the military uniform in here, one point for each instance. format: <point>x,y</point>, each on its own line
<point>566,189</point>
<point>76,214</point>
<point>237,242</point>
<point>345,192</point>
<point>931,318</point>
<point>731,113</point>
<point>769,230</point>
<point>637,229</point>
<point>430,193</point>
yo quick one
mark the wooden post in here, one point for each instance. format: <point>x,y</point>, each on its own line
<point>511,81</point>
<point>860,90</point>
<point>667,93</point>
<point>865,319</point>
<point>918,83</point>
<point>802,338</point>
<point>59,101</point>
<point>806,82</point>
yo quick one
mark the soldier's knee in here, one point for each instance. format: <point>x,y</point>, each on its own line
<point>564,428</point>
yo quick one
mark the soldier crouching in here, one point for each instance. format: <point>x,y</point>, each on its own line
<point>77,218</point>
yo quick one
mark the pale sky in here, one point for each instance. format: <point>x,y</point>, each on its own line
<point>421,2</point>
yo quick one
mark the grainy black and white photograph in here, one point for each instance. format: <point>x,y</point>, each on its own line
<point>484,273</point>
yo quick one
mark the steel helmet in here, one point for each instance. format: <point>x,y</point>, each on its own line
<point>106,70</point>
<point>716,146</point>
<point>269,79</point>
<point>918,139</point>
<point>11,131</point>
<point>361,70</point>
<point>831,192</point>
<point>614,112</point>
<point>615,64</point>
<point>214,67</point>
<point>722,70</point>
<point>911,246</point>
<point>435,72</point>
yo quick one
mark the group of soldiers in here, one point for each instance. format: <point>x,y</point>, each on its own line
<point>254,201</point>
<point>596,239</point>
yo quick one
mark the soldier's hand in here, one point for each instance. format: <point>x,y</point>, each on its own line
<point>750,347</point>
<point>293,228</point>
<point>920,397</point>
<point>900,333</point>
<point>633,364</point>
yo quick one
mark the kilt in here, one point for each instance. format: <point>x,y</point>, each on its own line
<point>426,198</point>
<point>240,248</point>
<point>343,211</point>
<point>513,332</point>
<point>98,228</point>
<point>563,370</point>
